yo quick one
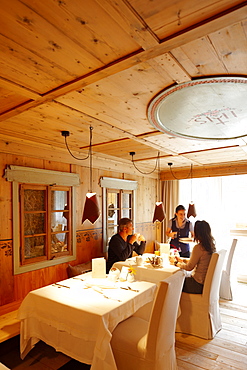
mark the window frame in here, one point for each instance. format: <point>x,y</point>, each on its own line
<point>47,233</point>
<point>28,175</point>
<point>120,185</point>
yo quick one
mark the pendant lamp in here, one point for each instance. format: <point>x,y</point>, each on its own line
<point>91,210</point>
<point>191,209</point>
<point>159,212</point>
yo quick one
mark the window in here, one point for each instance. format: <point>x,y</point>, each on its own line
<point>221,201</point>
<point>118,202</point>
<point>43,217</point>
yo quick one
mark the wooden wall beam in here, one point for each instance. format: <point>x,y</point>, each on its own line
<point>235,168</point>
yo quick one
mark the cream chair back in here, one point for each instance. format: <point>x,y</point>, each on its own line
<point>140,344</point>
<point>212,281</point>
<point>230,256</point>
<point>161,330</point>
<point>200,314</point>
<point>225,285</point>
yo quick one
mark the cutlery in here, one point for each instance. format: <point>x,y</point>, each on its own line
<point>114,299</point>
<point>60,285</point>
<point>133,290</point>
<point>129,288</point>
<point>104,295</point>
<point>78,279</point>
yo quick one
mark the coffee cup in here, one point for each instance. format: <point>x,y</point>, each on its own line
<point>139,260</point>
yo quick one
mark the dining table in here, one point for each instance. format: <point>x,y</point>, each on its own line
<point>147,272</point>
<point>76,316</point>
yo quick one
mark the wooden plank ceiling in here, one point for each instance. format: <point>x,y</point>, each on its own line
<point>66,65</point>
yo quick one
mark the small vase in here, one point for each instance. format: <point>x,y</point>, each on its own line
<point>130,278</point>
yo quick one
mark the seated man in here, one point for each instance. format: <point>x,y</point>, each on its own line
<point>124,243</point>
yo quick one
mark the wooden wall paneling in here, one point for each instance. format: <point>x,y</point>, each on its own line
<point>81,192</point>
<point>5,201</point>
<point>146,198</point>
<point>149,231</point>
<point>89,244</point>
<point>6,271</point>
<point>57,166</point>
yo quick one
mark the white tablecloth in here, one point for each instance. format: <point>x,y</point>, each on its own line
<point>146,272</point>
<point>78,321</point>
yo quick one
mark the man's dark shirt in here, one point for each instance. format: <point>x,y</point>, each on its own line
<point>119,250</point>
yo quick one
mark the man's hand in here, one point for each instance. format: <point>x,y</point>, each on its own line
<point>141,238</point>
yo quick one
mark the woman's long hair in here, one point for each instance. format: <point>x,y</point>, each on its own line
<point>203,235</point>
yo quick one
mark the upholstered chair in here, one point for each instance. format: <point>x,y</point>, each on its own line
<point>225,285</point>
<point>200,313</point>
<point>150,344</point>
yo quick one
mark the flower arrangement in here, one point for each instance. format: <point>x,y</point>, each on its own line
<point>131,270</point>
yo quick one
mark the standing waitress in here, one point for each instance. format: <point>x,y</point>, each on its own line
<point>180,227</point>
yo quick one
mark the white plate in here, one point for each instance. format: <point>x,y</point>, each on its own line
<point>186,240</point>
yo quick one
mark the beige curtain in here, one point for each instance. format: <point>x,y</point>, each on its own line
<point>170,193</point>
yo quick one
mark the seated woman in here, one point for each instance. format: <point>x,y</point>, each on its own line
<point>199,260</point>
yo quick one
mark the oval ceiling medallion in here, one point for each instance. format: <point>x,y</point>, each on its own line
<point>207,109</point>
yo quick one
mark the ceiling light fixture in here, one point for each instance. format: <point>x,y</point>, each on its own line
<point>144,173</point>
<point>65,134</point>
<point>91,210</point>
<point>176,178</point>
<point>159,212</point>
<point>191,209</point>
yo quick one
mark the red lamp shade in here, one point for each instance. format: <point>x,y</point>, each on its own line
<point>191,210</point>
<point>159,213</point>
<point>91,208</point>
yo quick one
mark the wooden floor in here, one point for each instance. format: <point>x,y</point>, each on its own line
<point>228,350</point>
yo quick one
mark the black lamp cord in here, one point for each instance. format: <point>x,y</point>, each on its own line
<point>145,173</point>
<point>79,159</point>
